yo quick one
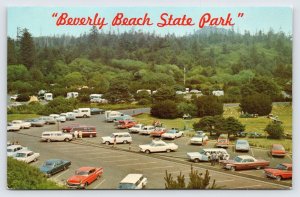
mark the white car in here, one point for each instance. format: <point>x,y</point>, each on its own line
<point>136,128</point>
<point>205,154</point>
<point>68,115</point>
<point>158,146</point>
<point>121,137</point>
<point>146,130</point>
<point>51,136</point>
<point>14,149</point>
<point>199,138</point>
<point>58,117</point>
<point>133,181</point>
<point>22,124</point>
<point>27,156</point>
<point>13,127</point>
<point>172,134</point>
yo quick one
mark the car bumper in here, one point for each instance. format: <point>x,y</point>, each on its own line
<point>196,142</point>
<point>270,175</point>
<point>75,186</point>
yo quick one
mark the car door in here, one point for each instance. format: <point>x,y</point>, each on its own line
<point>30,157</point>
<point>92,175</point>
<point>119,138</point>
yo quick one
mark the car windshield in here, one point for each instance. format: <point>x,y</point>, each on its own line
<point>171,131</point>
<point>126,186</point>
<point>10,150</point>
<point>82,173</point>
<point>281,167</point>
<point>112,136</point>
<point>20,155</point>
<point>202,152</point>
<point>199,135</point>
<point>48,163</point>
<point>242,142</point>
<point>278,147</point>
<point>237,159</point>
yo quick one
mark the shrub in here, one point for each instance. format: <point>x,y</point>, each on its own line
<point>209,106</point>
<point>186,108</point>
<point>144,101</point>
<point>23,176</point>
<point>23,98</point>
<point>275,130</point>
<point>260,104</point>
<point>59,105</point>
<point>165,109</point>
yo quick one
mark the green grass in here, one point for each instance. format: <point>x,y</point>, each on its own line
<point>266,143</point>
<point>11,117</point>
<point>259,124</point>
<point>119,106</point>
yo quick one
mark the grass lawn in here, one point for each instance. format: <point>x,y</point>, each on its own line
<point>118,106</point>
<point>11,117</point>
<point>266,143</point>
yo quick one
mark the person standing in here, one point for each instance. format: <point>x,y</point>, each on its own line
<point>75,134</point>
<point>213,158</point>
<point>115,142</point>
<point>80,134</point>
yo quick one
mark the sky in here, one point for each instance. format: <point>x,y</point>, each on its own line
<point>39,20</point>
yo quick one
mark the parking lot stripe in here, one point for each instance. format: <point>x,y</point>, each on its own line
<point>252,152</point>
<point>99,184</point>
<point>156,167</point>
<point>121,160</point>
<point>182,172</point>
<point>131,164</point>
<point>248,187</point>
<point>60,174</point>
<point>225,181</point>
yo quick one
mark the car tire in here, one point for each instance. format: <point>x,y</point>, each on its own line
<point>258,167</point>
<point>232,169</point>
<point>67,140</point>
<point>107,143</point>
<point>147,151</point>
<point>48,140</point>
<point>91,135</point>
<point>84,115</point>
<point>278,178</point>
<point>85,185</point>
<point>35,159</point>
<point>125,142</point>
<point>168,150</point>
<point>196,160</point>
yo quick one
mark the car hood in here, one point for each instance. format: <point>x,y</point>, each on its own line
<point>228,161</point>
<point>241,146</point>
<point>144,146</point>
<point>194,154</point>
<point>278,151</point>
<point>106,138</point>
<point>45,169</point>
<point>76,179</point>
<point>196,138</point>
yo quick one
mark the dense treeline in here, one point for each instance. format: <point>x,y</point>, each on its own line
<point>213,58</point>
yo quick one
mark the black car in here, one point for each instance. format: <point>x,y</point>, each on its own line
<point>96,111</point>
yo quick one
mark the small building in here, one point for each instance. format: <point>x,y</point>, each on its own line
<point>218,93</point>
<point>72,95</point>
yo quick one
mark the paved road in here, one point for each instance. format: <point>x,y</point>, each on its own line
<point>119,162</point>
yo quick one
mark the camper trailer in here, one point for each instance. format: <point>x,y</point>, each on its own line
<point>48,96</point>
<point>110,116</point>
<point>72,95</point>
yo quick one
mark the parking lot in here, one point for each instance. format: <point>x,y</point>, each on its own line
<point>118,162</point>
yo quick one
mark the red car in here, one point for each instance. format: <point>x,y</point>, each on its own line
<point>244,162</point>
<point>223,141</point>
<point>68,128</point>
<point>87,131</point>
<point>158,132</point>
<point>83,177</point>
<point>282,171</point>
<point>278,150</point>
<point>125,124</point>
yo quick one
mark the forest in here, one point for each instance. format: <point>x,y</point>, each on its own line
<point>212,59</point>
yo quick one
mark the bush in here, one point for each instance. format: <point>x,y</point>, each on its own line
<point>275,130</point>
<point>31,108</point>
<point>23,176</point>
<point>144,101</point>
<point>260,104</point>
<point>165,109</point>
<point>23,98</point>
<point>59,105</point>
<point>209,106</point>
<point>186,108</point>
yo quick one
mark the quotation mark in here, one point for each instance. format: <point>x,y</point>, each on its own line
<point>54,14</point>
<point>240,14</point>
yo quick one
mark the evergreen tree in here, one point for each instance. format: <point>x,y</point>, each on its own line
<point>27,49</point>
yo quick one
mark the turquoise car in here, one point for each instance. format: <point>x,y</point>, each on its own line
<point>53,166</point>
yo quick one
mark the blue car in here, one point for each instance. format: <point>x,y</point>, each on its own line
<point>53,166</point>
<point>242,145</point>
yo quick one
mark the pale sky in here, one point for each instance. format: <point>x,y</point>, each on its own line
<point>39,20</point>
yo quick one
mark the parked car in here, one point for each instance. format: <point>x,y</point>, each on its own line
<point>87,131</point>
<point>123,118</point>
<point>281,171</point>
<point>223,141</point>
<point>84,176</point>
<point>35,122</point>
<point>136,128</point>
<point>14,149</point>
<point>58,117</point>
<point>277,150</point>
<point>58,136</point>
<point>68,128</point>
<point>241,134</point>
<point>13,127</point>
<point>48,119</point>
<point>146,130</point>
<point>125,124</point>
<point>158,132</point>
<point>68,116</point>
<point>53,166</point>
<point>158,146</point>
<point>27,156</point>
<point>199,138</point>
<point>97,111</point>
<point>254,135</point>
<point>8,143</point>
<point>22,124</point>
<point>122,137</point>
<point>244,162</point>
<point>82,112</point>
<point>172,134</point>
<point>242,145</point>
<point>133,181</point>
<point>111,115</point>
<point>205,154</point>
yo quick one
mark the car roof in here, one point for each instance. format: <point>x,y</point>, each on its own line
<point>131,178</point>
<point>245,157</point>
<point>85,168</point>
<point>214,149</point>
<point>52,132</point>
<point>25,151</point>
<point>14,146</point>
<point>120,133</point>
<point>54,160</point>
<point>158,141</point>
<point>242,141</point>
